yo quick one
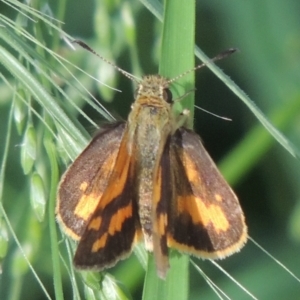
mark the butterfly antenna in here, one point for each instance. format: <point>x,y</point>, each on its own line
<point>88,48</point>
<point>220,56</point>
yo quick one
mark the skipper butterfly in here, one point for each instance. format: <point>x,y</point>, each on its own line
<point>149,179</point>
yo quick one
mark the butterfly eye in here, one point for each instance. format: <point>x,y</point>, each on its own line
<point>167,95</point>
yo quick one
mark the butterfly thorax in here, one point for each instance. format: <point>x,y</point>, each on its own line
<point>149,126</point>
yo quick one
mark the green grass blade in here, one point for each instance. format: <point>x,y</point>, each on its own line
<point>157,10</point>
<point>258,141</point>
<point>176,57</point>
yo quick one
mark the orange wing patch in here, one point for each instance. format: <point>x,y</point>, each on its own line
<point>204,214</point>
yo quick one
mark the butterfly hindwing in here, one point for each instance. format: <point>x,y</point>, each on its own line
<point>162,202</point>
<point>207,219</point>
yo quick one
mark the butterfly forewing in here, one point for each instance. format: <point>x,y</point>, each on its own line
<point>207,219</point>
<point>114,225</point>
<point>84,182</point>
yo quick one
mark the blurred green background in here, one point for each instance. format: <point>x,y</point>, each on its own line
<point>264,175</point>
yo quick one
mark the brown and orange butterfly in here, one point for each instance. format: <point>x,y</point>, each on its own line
<point>148,178</point>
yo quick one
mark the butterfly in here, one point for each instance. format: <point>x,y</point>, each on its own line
<point>149,179</point>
